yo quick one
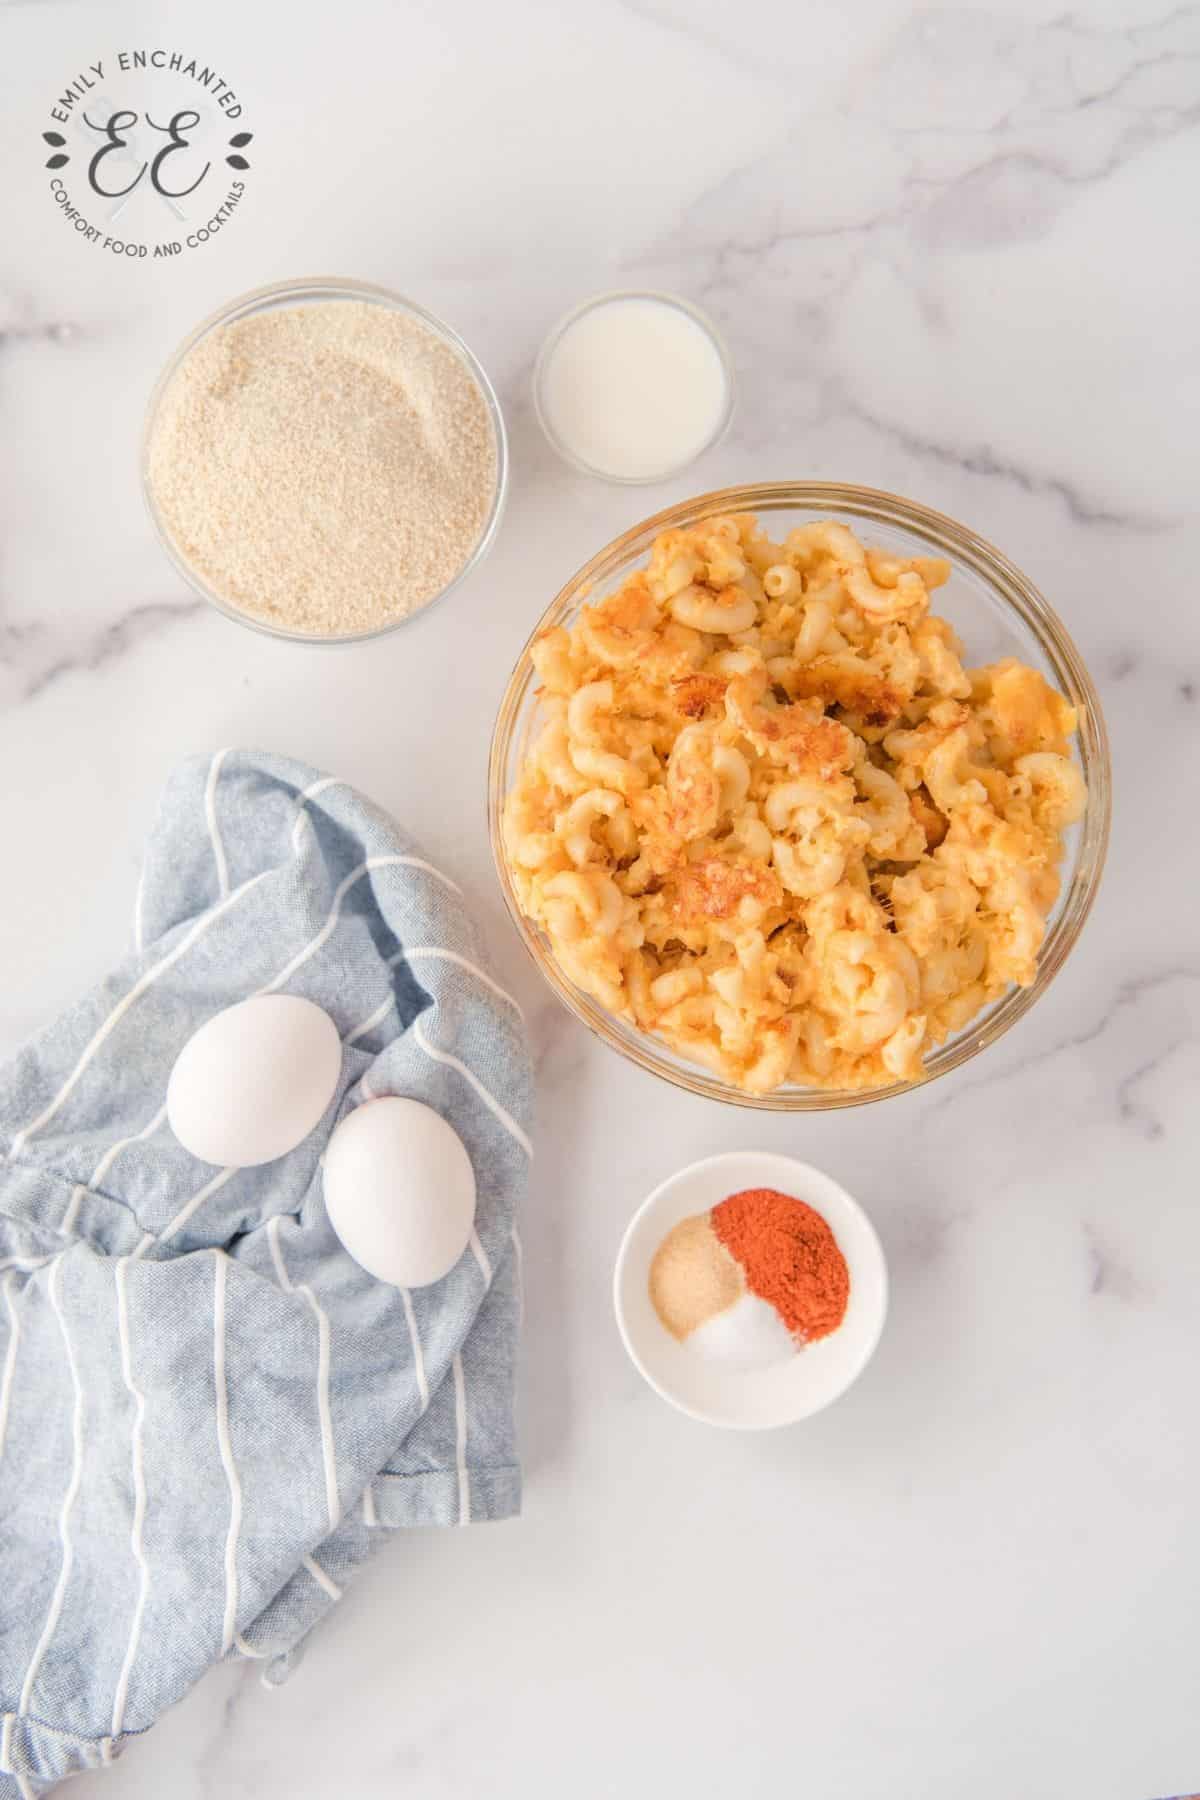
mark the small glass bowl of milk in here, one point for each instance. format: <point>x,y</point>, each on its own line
<point>633,386</point>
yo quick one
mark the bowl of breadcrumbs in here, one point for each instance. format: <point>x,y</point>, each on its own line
<point>323,459</point>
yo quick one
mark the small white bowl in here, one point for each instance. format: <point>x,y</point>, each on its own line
<point>672,303</point>
<point>750,1400</point>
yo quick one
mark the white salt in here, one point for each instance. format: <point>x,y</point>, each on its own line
<point>748,1335</point>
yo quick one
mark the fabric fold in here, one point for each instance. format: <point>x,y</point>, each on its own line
<point>210,1416</point>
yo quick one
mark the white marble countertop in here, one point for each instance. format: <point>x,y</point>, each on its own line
<point>951,252</point>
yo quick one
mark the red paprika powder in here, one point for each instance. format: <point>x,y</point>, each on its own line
<point>790,1257</point>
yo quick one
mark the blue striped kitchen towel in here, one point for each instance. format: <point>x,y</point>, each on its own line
<point>209,1414</point>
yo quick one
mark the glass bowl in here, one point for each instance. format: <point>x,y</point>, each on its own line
<point>313,291</point>
<point>553,338</point>
<point>996,610</point>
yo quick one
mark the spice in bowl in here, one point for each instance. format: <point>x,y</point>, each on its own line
<point>752,1281</point>
<point>324,469</point>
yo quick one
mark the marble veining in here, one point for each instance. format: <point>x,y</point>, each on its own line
<point>1107,1273</point>
<point>982,460</point>
<point>952,250</point>
<point>109,642</point>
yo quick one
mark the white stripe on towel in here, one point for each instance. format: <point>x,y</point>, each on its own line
<point>211,1186</point>
<point>138,1470</point>
<point>310,793</point>
<point>343,888</point>
<point>376,1018</point>
<point>69,1498</point>
<point>145,981</point>
<point>10,1356</point>
<point>417,950</point>
<point>481,1257</point>
<point>460,1443</point>
<point>185,1212</point>
<point>23,1787</point>
<point>220,1264</point>
<point>71,1216</point>
<point>333,1502</point>
<point>246,1649</point>
<point>322,1580</point>
<point>214,832</point>
<point>489,1100</point>
<point>418,1355</point>
<point>107,1161</point>
<point>370,1517</point>
<point>462,962</point>
<point>281,1274</point>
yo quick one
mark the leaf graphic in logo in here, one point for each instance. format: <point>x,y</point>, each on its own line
<point>237,162</point>
<point>52,137</point>
<point>56,162</point>
<point>241,140</point>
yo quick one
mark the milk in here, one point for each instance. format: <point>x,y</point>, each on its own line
<point>633,387</point>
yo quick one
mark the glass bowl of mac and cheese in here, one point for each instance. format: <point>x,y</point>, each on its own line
<point>799,795</point>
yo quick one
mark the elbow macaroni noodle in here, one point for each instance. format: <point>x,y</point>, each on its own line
<point>771,818</point>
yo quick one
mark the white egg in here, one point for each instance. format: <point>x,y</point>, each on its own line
<point>400,1191</point>
<point>254,1080</point>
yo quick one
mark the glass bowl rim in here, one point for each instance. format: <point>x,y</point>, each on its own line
<point>698,317</point>
<point>319,288</point>
<point>1015,592</point>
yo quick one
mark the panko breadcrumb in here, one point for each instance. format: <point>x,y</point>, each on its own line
<point>326,469</point>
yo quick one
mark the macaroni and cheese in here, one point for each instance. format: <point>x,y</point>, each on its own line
<point>769,816</point>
